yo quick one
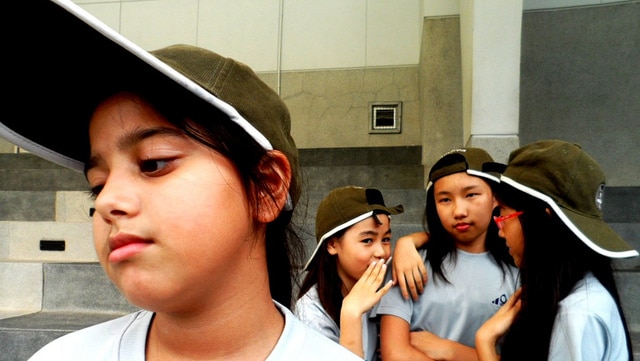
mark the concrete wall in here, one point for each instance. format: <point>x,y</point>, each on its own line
<point>581,82</point>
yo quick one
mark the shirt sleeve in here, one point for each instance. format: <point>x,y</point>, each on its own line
<point>315,317</point>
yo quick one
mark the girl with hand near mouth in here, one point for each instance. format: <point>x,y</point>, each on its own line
<point>345,274</point>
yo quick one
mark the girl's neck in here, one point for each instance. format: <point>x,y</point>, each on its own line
<point>473,247</point>
<point>241,332</point>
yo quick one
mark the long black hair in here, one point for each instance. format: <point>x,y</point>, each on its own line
<point>554,260</point>
<point>323,271</point>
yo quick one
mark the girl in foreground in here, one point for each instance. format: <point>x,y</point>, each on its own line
<point>568,308</point>
<point>195,178</point>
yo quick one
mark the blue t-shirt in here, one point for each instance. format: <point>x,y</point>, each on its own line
<point>455,310</point>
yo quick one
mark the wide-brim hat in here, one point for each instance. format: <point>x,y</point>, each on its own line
<point>344,207</point>
<point>61,61</point>
<point>572,183</point>
<point>468,160</point>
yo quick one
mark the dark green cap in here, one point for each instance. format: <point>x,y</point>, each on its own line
<point>68,61</point>
<point>572,183</point>
<point>344,207</point>
<point>469,160</point>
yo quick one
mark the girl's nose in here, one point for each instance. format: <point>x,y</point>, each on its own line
<point>459,210</point>
<point>116,199</point>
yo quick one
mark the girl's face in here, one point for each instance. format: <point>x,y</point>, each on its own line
<point>511,230</point>
<point>363,243</point>
<point>172,227</point>
<point>465,204</point>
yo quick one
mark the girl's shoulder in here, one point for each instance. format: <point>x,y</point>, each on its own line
<point>102,341</point>
<point>588,295</point>
<point>309,309</point>
<point>300,342</point>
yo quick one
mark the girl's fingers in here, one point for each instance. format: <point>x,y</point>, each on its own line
<point>384,289</point>
<point>374,274</point>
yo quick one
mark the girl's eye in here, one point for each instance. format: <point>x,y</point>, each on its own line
<point>368,240</point>
<point>153,165</point>
<point>386,240</point>
<point>471,195</point>
<point>444,200</point>
<point>95,191</point>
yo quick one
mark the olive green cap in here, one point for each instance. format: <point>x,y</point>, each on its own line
<point>344,207</point>
<point>468,160</point>
<point>572,183</point>
<point>64,61</point>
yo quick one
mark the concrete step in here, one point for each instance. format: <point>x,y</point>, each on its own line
<point>27,172</point>
<point>72,296</point>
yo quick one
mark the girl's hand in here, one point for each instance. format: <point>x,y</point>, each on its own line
<point>496,326</point>
<point>362,297</point>
<point>408,270</point>
<point>367,291</point>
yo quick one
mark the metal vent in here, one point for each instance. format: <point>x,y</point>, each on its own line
<point>386,117</point>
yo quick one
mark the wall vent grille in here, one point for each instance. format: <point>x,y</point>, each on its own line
<point>386,117</point>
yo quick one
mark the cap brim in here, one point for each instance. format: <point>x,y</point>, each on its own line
<point>475,173</point>
<point>389,210</point>
<point>593,232</point>
<point>334,231</point>
<point>60,62</point>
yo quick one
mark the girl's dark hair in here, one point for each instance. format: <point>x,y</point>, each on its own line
<point>441,244</point>
<point>324,273</point>
<point>554,260</point>
<point>214,129</point>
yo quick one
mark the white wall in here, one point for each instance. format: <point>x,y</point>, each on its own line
<point>275,35</point>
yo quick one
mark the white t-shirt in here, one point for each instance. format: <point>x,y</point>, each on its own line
<point>588,325</point>
<point>457,309</point>
<point>124,339</point>
<point>310,311</point>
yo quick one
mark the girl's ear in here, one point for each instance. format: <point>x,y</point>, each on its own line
<point>272,196</point>
<point>331,246</point>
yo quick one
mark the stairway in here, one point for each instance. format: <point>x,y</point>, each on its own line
<point>46,292</point>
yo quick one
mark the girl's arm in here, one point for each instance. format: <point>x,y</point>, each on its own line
<point>441,348</point>
<point>395,341</point>
<point>362,297</point>
<point>408,270</point>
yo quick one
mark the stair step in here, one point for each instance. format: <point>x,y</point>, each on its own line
<point>27,172</point>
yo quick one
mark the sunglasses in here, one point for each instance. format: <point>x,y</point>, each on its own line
<point>500,219</point>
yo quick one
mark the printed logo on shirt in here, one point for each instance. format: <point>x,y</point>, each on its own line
<point>500,300</point>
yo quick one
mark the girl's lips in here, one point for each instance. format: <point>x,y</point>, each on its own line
<point>462,226</point>
<point>124,247</point>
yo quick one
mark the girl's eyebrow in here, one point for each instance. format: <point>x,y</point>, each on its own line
<point>135,136</point>
<point>374,232</point>
<point>464,189</point>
